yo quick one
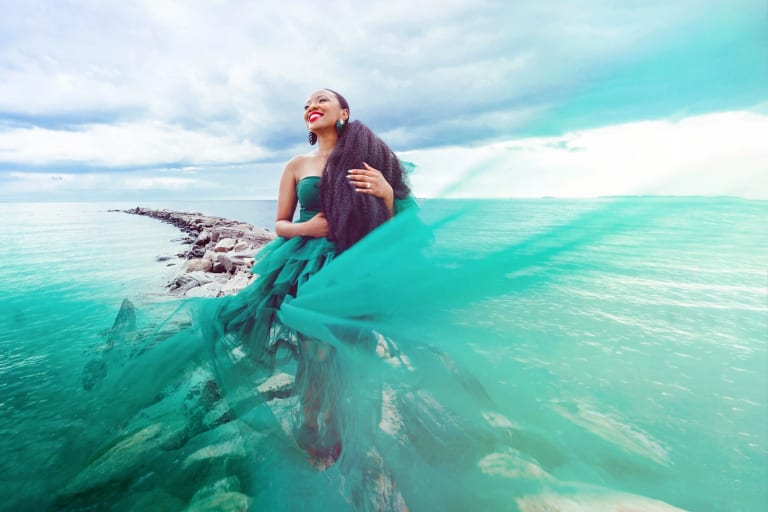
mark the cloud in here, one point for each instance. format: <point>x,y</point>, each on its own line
<point>715,154</point>
<point>118,87</point>
<point>123,145</point>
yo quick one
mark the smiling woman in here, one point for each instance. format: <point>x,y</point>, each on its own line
<point>342,198</point>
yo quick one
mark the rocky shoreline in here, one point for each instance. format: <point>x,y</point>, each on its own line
<point>220,258</point>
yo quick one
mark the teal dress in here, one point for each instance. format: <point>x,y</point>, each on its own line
<point>249,319</point>
<point>250,323</point>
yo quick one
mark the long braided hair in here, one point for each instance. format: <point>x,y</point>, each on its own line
<point>350,214</point>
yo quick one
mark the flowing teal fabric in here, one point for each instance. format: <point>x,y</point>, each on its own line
<point>407,373</point>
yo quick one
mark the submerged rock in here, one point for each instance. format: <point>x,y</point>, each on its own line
<point>123,327</point>
<point>93,373</point>
<point>125,460</point>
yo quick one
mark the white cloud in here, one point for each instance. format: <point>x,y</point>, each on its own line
<point>156,83</point>
<point>124,144</point>
<point>250,66</point>
<point>716,154</point>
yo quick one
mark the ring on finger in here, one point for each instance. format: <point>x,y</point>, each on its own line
<point>368,185</point>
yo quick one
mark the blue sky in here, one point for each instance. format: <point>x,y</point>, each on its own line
<point>148,100</point>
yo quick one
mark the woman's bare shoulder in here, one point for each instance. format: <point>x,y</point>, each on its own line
<point>298,162</point>
<point>301,166</point>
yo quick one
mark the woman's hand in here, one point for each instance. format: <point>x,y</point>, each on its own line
<point>316,227</point>
<point>371,181</point>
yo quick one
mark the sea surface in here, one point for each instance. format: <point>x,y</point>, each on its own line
<point>652,337</point>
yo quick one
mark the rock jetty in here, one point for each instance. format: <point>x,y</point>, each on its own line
<point>221,252</point>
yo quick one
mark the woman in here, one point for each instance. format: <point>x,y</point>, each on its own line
<point>348,186</point>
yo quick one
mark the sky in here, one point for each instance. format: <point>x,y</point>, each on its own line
<point>154,100</point>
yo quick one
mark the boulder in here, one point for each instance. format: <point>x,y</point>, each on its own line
<point>203,238</point>
<point>126,458</point>
<point>223,502</point>
<point>187,281</point>
<point>237,283</point>
<point>212,289</point>
<point>199,264</point>
<point>225,245</point>
<point>93,373</point>
<point>225,260</point>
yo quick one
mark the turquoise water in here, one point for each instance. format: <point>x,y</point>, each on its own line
<point>635,357</point>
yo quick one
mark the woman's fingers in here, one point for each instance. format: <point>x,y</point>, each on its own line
<point>363,180</point>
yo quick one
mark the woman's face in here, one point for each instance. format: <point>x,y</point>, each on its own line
<point>322,110</point>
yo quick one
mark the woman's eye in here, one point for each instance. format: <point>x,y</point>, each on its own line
<point>306,107</point>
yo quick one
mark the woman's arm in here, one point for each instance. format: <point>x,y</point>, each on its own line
<point>316,227</point>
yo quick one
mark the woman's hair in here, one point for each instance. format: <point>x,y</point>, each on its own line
<point>352,215</point>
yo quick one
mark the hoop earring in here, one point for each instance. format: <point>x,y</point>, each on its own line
<point>339,127</point>
<point>312,138</point>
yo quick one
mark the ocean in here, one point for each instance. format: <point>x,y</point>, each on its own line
<point>648,334</point>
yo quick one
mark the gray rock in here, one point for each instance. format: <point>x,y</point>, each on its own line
<point>225,245</point>
<point>126,318</point>
<point>93,373</point>
<point>224,259</point>
<point>199,264</point>
<point>126,458</point>
<point>237,283</point>
<point>212,289</point>
<point>187,281</point>
<point>228,484</point>
<point>203,238</point>
<point>223,502</point>
<point>279,385</point>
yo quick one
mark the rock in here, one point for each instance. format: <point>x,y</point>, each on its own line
<point>124,325</point>
<point>591,499</point>
<point>93,373</point>
<point>125,459</point>
<point>199,264</point>
<point>225,245</point>
<point>184,282</point>
<point>203,238</point>
<point>224,442</point>
<point>212,289</point>
<point>224,502</point>
<point>225,260</point>
<point>279,385</point>
<point>126,318</point>
<point>241,257</point>
<point>241,246</point>
<point>237,283</point>
<point>229,484</point>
